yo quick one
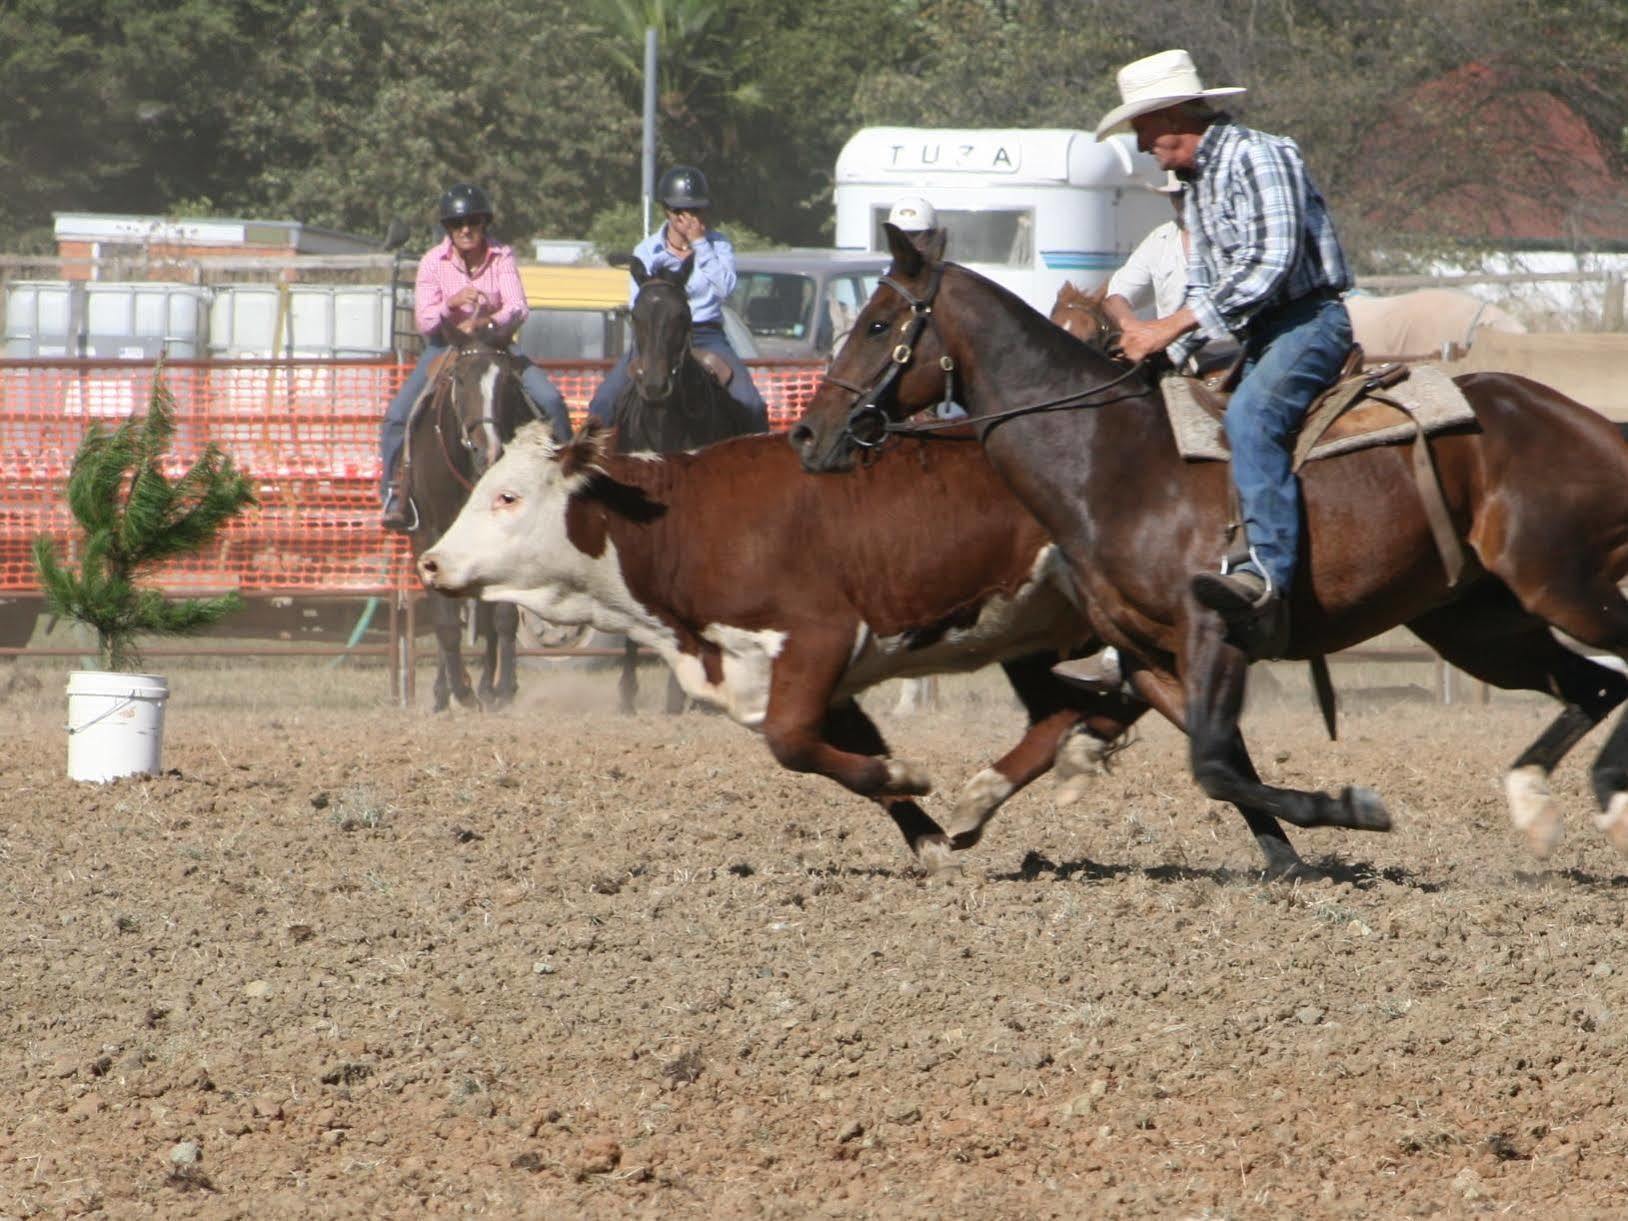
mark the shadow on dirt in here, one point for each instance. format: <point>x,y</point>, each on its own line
<point>1360,874</point>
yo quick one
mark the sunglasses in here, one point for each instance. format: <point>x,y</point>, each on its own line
<point>466,222</point>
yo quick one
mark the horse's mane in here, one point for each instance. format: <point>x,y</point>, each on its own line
<point>1037,329</point>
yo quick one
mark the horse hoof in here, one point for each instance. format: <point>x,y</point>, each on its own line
<point>1364,810</point>
<point>905,780</point>
<point>933,855</point>
<point>1614,822</point>
<point>1283,863</point>
<point>976,806</point>
<point>1533,811</point>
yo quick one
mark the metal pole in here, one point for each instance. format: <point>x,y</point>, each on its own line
<point>649,158</point>
<point>1611,314</point>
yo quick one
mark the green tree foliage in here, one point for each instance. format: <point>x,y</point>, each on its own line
<point>132,518</point>
<point>343,113</point>
<point>364,109</point>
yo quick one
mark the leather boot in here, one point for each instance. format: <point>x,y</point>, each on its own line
<point>1099,673</point>
<point>1256,614</point>
<point>395,514</point>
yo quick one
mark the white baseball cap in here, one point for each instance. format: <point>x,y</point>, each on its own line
<point>912,214</point>
<point>1150,84</point>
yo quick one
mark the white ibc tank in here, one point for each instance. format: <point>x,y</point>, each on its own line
<point>306,321</point>
<point>142,321</point>
<point>108,319</point>
<point>39,319</point>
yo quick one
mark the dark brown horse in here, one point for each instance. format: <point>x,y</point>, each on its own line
<point>472,406</point>
<point>1538,492</point>
<point>674,401</point>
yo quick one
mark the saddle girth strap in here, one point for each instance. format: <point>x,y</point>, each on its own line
<point>1425,476</point>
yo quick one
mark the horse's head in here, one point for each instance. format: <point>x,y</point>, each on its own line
<point>474,404</point>
<point>893,364</point>
<point>661,328</point>
<point>1085,316</point>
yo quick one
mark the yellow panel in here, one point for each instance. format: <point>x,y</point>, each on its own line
<point>552,287</point>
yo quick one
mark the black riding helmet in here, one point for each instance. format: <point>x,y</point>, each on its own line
<point>461,200</point>
<point>683,186</point>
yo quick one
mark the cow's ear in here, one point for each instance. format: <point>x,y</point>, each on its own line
<point>585,451</point>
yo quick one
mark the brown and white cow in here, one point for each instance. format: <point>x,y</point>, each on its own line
<point>777,595</point>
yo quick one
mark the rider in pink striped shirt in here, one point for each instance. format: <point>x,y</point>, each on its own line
<point>468,288</point>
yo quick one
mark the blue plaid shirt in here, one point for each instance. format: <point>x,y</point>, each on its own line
<point>1261,234</point>
<point>712,280</point>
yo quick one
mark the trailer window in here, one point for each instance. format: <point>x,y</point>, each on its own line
<point>1003,237</point>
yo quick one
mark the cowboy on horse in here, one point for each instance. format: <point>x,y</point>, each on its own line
<point>468,291</point>
<point>1266,266</point>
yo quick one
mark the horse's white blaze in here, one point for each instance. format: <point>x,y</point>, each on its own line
<point>1038,615</point>
<point>489,440</point>
<point>1532,808</point>
<point>980,798</point>
<point>1613,820</point>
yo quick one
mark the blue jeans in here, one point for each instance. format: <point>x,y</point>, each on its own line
<point>544,395</point>
<point>1292,353</point>
<point>708,337</point>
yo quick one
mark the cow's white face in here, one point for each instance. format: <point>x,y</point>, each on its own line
<point>510,535</point>
<point>510,543</point>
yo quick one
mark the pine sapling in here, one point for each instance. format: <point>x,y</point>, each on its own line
<point>132,518</point>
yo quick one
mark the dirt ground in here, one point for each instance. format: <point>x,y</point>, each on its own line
<point>346,960</point>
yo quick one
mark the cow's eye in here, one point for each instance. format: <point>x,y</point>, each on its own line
<point>506,500</point>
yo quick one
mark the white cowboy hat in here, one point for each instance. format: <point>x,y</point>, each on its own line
<point>1150,84</point>
<point>912,214</point>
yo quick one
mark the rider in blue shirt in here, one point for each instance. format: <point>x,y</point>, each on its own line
<point>685,199</point>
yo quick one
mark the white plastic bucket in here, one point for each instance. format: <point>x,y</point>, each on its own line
<point>115,724</point>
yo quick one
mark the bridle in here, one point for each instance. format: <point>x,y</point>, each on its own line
<point>481,439</point>
<point>675,367</point>
<point>868,425</point>
<point>1107,332</point>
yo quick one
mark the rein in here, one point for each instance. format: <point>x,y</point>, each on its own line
<point>868,425</point>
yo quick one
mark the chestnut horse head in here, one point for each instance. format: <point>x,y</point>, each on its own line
<point>1083,315</point>
<point>1089,451</point>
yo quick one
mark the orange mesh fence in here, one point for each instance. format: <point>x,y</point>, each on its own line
<point>307,431</point>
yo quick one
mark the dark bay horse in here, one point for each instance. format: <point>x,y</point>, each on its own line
<point>1538,492</point>
<point>471,408</point>
<point>674,401</point>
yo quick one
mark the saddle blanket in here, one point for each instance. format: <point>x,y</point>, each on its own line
<point>1435,402</point>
